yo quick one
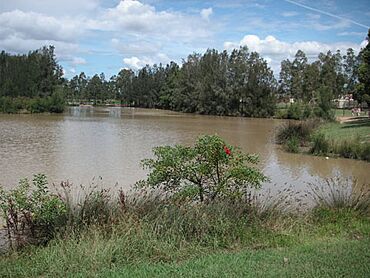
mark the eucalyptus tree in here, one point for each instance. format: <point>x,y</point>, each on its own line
<point>363,88</point>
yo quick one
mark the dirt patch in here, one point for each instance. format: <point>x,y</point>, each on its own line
<point>346,119</point>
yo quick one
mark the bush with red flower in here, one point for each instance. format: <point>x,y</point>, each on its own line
<point>209,170</point>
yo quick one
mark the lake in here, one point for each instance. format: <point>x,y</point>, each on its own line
<point>87,142</point>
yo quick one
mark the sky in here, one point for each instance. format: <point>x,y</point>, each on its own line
<point>97,36</point>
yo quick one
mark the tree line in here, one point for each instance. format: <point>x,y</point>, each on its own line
<point>239,83</point>
<point>31,82</point>
<point>330,76</point>
<point>218,83</point>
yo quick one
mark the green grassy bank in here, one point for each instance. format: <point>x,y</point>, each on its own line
<point>327,244</point>
<point>350,139</point>
<point>339,132</point>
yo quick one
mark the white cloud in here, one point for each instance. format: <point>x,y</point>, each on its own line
<point>140,31</point>
<point>53,8</point>
<point>15,44</point>
<point>138,19</point>
<point>260,6</point>
<point>38,26</point>
<point>21,32</point>
<point>272,46</point>
<point>276,50</point>
<point>137,63</point>
<point>206,13</point>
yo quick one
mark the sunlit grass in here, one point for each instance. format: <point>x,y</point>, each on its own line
<point>346,131</point>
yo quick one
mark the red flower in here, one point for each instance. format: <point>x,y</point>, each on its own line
<point>227,150</point>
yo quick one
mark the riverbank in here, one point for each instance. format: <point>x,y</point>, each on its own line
<point>349,137</point>
<point>24,105</point>
<point>332,242</point>
<point>142,233</point>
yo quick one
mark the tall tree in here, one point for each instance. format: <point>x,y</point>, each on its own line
<point>363,88</point>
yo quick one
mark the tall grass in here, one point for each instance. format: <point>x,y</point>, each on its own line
<point>350,148</point>
<point>295,134</point>
<point>339,193</point>
<point>151,225</point>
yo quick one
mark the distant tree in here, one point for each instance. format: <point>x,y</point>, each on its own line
<point>124,85</point>
<point>363,88</point>
<point>95,88</point>
<point>350,64</point>
<point>35,74</point>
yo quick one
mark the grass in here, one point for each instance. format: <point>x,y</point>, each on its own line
<point>349,139</point>
<point>334,244</point>
<point>358,128</point>
<point>320,259</point>
<point>147,233</point>
<point>150,235</point>
<point>339,112</point>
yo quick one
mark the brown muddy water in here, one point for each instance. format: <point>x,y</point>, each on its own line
<point>84,143</point>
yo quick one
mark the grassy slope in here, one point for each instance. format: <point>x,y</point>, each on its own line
<point>349,130</point>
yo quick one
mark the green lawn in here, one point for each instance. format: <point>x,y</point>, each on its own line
<point>319,259</point>
<point>329,258</point>
<point>349,130</point>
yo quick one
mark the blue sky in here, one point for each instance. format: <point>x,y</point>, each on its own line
<point>105,36</point>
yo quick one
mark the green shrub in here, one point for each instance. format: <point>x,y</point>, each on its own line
<point>209,170</point>
<point>32,212</point>
<point>54,104</point>
<point>320,145</point>
<point>294,111</point>
<point>352,148</point>
<point>292,145</point>
<point>301,130</point>
<point>348,149</point>
<point>281,113</point>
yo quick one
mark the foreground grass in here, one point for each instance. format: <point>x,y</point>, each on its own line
<point>326,243</point>
<point>319,259</point>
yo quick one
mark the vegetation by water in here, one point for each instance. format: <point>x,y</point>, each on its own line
<point>349,139</point>
<point>53,104</point>
<point>31,82</point>
<point>167,231</point>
